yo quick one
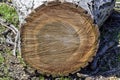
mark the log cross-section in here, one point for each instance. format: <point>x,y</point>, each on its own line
<point>59,39</point>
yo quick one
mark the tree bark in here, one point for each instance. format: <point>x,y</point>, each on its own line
<point>98,9</point>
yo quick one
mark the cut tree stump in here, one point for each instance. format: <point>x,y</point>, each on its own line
<point>59,39</point>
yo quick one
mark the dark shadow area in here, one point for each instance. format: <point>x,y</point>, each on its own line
<point>107,61</point>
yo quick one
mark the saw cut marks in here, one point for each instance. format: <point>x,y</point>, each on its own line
<point>58,39</point>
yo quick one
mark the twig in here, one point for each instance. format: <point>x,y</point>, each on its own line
<point>9,41</point>
<point>6,32</point>
<point>15,44</point>
<point>14,30</point>
<point>8,38</point>
<point>19,42</point>
<point>8,25</point>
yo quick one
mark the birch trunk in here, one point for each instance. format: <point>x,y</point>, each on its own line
<point>98,9</point>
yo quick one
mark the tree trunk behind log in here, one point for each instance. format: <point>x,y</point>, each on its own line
<point>98,9</point>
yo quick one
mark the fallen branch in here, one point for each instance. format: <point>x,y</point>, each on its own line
<point>14,30</point>
<point>15,44</point>
<point>8,25</point>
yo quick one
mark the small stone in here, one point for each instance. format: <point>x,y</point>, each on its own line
<point>35,78</point>
<point>88,78</point>
<point>113,78</point>
<point>81,75</point>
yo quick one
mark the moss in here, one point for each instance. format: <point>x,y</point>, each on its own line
<point>41,78</point>
<point>2,29</point>
<point>1,59</point>
<point>6,78</point>
<point>62,78</point>
<point>118,0</point>
<point>9,14</point>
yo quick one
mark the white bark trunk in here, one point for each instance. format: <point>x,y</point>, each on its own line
<point>98,9</point>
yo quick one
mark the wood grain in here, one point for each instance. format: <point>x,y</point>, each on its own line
<point>59,39</point>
